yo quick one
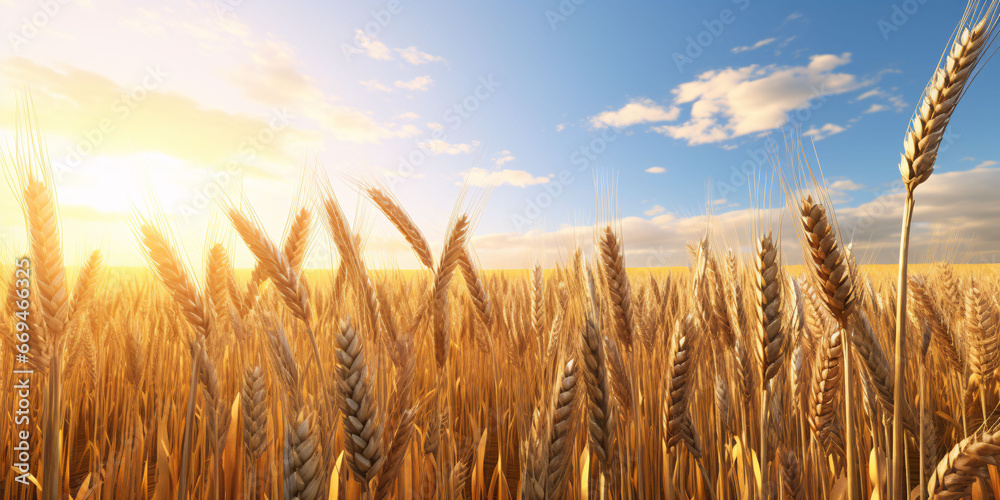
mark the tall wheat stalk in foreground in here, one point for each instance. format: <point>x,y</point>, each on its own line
<point>770,341</point>
<point>920,148</point>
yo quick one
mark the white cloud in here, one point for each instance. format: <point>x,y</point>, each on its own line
<point>875,92</point>
<point>656,210</point>
<point>375,49</point>
<point>637,111</point>
<point>409,115</point>
<point>503,157</point>
<point>418,83</point>
<point>875,108</point>
<point>520,178</point>
<point>746,48</point>
<point>791,17</point>
<point>898,103</point>
<point>439,147</point>
<point>374,84</point>
<point>560,127</point>
<point>823,132</point>
<point>371,46</point>
<point>435,126</point>
<point>986,164</point>
<point>414,56</point>
<point>846,185</point>
<point>731,103</point>
<point>656,170</point>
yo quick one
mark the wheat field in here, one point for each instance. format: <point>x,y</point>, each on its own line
<point>737,377</point>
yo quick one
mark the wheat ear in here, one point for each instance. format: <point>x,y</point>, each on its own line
<point>275,265</point>
<point>619,289</point>
<point>791,476</point>
<point>939,330</point>
<point>600,424</point>
<point>473,281</point>
<point>216,267</point>
<point>86,284</point>
<point>451,254</point>
<point>825,388</point>
<point>980,325</point>
<point>398,217</point>
<point>959,469</point>
<point>47,257</point>
<point>174,276</point>
<point>302,459</point>
<point>563,432</point>
<point>362,430</point>
<point>680,365</point>
<point>297,240</point>
<point>253,400</point>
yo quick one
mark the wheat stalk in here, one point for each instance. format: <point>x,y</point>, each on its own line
<point>770,339</point>
<point>920,149</point>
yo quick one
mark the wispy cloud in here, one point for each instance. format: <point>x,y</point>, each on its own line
<point>371,46</point>
<point>414,56</point>
<point>846,185</point>
<point>656,170</point>
<point>519,178</point>
<point>656,210</point>
<point>637,111</point>
<point>440,147</point>
<point>823,132</point>
<point>503,157</point>
<point>747,48</point>
<point>374,85</point>
<point>418,83</point>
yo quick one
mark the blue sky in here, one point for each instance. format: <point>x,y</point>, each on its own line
<point>668,99</point>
